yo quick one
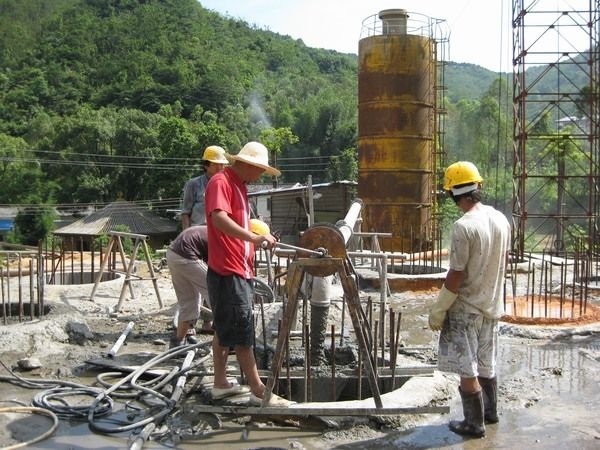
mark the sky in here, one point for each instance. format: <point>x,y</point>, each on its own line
<point>472,26</point>
<point>478,31</point>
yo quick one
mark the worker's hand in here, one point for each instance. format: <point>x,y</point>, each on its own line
<point>436,320</point>
<point>266,241</point>
<point>437,312</point>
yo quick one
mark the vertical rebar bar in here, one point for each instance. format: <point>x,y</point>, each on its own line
<point>20,284</point>
<point>8,296</point>
<point>392,330</point>
<point>31,278</point>
<point>374,350</point>
<point>359,376</point>
<point>287,370</point>
<point>333,386</point>
<point>4,311</point>
<point>307,366</point>
<point>396,344</point>
<point>41,282</point>
<point>532,291</point>
<point>343,319</point>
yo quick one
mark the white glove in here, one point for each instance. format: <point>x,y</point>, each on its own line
<point>437,312</point>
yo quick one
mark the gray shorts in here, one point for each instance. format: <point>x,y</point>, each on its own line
<point>231,298</point>
<point>468,345</point>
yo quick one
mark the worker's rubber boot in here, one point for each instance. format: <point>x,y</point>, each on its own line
<point>489,386</point>
<point>473,425</point>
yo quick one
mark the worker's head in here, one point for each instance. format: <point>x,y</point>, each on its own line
<point>462,179</point>
<point>252,161</point>
<point>213,159</point>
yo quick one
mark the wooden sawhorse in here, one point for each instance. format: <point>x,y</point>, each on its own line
<point>140,240</point>
<point>295,275</point>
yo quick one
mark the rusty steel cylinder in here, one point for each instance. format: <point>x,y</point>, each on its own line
<point>396,122</point>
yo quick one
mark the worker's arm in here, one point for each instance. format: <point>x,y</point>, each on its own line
<point>185,221</point>
<point>454,279</point>
<point>221,220</point>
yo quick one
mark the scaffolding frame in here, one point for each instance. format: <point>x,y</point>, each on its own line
<point>556,176</point>
<point>555,128</point>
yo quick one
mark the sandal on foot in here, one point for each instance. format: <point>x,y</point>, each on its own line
<point>235,389</point>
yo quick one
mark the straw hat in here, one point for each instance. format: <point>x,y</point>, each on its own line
<point>255,154</point>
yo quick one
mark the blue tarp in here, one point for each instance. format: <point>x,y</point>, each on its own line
<point>6,224</point>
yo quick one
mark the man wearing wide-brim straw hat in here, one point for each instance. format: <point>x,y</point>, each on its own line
<point>231,246</point>
<point>256,155</point>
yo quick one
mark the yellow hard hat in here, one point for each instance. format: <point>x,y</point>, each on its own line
<point>259,227</point>
<point>461,172</point>
<point>214,154</point>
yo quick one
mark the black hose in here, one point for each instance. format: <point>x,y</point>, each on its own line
<point>54,400</point>
<point>167,404</point>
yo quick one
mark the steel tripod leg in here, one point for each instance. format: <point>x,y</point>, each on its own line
<point>295,275</point>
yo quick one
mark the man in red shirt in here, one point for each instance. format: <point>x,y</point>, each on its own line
<point>231,247</point>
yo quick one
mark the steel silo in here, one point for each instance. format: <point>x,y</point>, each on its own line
<point>396,129</point>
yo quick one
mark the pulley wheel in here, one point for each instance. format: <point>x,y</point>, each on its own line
<point>322,236</point>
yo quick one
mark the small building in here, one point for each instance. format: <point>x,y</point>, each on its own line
<point>137,219</point>
<point>287,209</point>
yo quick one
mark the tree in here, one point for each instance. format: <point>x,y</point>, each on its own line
<point>275,139</point>
<point>33,224</point>
<point>344,166</point>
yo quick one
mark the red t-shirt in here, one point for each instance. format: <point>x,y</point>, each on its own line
<point>227,255</point>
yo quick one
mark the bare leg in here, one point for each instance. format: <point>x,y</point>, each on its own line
<point>245,357</point>
<point>220,354</point>
<point>182,329</point>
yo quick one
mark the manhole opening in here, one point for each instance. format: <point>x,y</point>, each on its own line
<point>69,278</point>
<point>549,310</point>
<point>414,269</point>
<point>327,383</point>
<point>11,311</point>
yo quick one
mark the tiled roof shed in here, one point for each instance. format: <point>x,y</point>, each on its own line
<point>138,219</point>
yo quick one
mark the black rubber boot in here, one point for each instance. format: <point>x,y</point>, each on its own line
<point>489,386</point>
<point>473,410</point>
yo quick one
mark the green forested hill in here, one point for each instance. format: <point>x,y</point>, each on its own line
<point>468,81</point>
<point>107,99</point>
<point>131,91</point>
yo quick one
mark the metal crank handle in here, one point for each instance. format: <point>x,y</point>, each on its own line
<point>319,252</point>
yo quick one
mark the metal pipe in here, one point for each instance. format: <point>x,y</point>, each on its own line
<point>115,348</point>
<point>346,225</point>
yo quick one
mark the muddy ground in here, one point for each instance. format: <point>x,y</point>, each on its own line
<point>548,380</point>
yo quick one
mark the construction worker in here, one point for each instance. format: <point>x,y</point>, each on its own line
<point>192,207</point>
<point>187,257</point>
<point>470,301</point>
<point>231,245</point>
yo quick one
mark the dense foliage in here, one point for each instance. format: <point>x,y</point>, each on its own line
<point>109,99</point>
<point>116,99</point>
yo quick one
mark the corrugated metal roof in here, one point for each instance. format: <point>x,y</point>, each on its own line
<point>298,188</point>
<point>138,219</point>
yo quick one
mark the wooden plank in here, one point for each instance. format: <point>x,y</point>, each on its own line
<point>306,411</point>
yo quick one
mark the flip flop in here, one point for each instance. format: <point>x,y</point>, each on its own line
<point>235,389</point>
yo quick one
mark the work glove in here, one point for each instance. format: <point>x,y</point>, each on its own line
<point>437,312</point>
